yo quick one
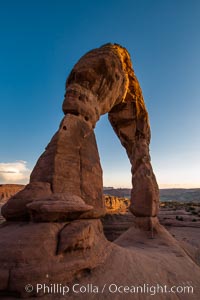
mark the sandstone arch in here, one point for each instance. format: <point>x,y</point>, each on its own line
<point>103,81</point>
<point>55,234</point>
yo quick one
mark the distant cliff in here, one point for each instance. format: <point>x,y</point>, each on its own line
<point>8,190</point>
<point>120,192</point>
<point>182,195</point>
<point>113,197</point>
<point>116,205</point>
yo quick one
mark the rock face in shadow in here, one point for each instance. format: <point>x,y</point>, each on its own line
<point>53,232</point>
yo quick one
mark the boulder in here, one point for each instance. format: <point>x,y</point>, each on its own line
<point>58,207</point>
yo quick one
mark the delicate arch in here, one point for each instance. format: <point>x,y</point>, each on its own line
<point>102,81</point>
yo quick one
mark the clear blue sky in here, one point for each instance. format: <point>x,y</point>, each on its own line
<point>41,41</point>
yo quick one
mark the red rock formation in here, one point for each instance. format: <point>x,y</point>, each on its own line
<point>66,183</point>
<point>103,81</point>
<point>8,190</point>
<point>116,205</point>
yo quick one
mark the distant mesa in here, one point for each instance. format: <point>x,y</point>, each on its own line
<point>8,190</point>
<point>106,188</point>
<point>168,194</point>
<point>118,195</point>
<point>118,192</point>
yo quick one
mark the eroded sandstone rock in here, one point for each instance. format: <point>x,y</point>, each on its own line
<point>78,235</point>
<point>65,193</point>
<point>48,253</point>
<point>110,86</point>
<point>116,204</point>
<point>8,190</point>
<point>103,81</point>
<point>15,208</point>
<point>58,207</point>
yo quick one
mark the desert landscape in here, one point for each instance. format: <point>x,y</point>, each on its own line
<point>99,153</point>
<point>63,234</point>
<point>180,218</point>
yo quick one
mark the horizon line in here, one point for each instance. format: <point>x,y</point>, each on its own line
<point>161,186</point>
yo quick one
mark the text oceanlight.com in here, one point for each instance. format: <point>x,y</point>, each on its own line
<point>113,288</point>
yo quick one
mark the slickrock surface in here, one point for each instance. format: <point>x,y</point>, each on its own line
<point>134,259</point>
<point>183,224</point>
